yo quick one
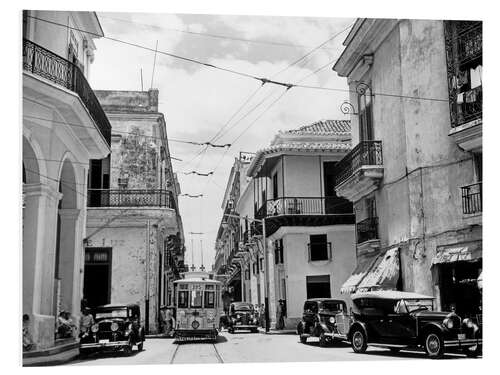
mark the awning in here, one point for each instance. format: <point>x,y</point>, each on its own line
<point>384,274</point>
<point>462,252</point>
<point>363,267</point>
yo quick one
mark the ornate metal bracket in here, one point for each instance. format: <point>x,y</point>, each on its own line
<point>346,107</point>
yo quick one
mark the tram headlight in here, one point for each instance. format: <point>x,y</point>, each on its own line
<point>95,328</point>
<point>195,324</point>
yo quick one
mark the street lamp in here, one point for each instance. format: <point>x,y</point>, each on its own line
<point>266,265</point>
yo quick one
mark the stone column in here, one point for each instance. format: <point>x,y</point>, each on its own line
<point>39,244</point>
<point>70,249</point>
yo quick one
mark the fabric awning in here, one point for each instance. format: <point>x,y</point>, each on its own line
<point>363,267</point>
<point>384,275</point>
<point>462,252</point>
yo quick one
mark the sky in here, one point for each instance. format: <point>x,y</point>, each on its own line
<point>198,101</point>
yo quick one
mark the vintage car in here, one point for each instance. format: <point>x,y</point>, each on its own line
<point>117,327</point>
<point>242,316</point>
<point>400,320</point>
<point>325,318</point>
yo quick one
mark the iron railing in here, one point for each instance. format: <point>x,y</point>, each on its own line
<point>304,206</point>
<point>365,153</point>
<point>319,251</point>
<point>130,198</point>
<point>470,42</point>
<point>367,230</point>
<point>46,64</point>
<point>472,198</point>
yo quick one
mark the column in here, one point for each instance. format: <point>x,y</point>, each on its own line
<point>39,244</point>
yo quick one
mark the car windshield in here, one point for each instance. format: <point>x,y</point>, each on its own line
<point>332,306</point>
<point>243,307</point>
<point>115,313</point>
<point>418,304</point>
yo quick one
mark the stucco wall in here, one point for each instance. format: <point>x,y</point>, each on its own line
<point>297,267</point>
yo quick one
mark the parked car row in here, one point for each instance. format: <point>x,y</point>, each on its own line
<point>390,319</point>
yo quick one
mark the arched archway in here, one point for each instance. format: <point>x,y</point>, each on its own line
<point>66,246</point>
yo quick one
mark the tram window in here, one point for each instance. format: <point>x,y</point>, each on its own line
<point>209,299</point>
<point>196,298</point>
<point>183,299</point>
<point>209,287</point>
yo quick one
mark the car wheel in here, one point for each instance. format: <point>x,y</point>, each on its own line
<point>434,345</point>
<point>323,340</point>
<point>358,341</point>
<point>303,339</point>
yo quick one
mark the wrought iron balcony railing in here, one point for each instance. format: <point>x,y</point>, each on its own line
<point>304,206</point>
<point>469,41</point>
<point>472,198</point>
<point>365,153</point>
<point>367,230</point>
<point>130,198</point>
<point>46,64</point>
<point>319,251</point>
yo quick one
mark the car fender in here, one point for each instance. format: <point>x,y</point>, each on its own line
<point>428,327</point>
<point>357,325</point>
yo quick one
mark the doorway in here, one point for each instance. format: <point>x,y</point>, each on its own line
<point>333,203</point>
<point>97,276</point>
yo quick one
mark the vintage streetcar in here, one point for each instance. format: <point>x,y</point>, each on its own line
<point>242,317</point>
<point>198,306</point>
<point>325,318</point>
<point>401,320</point>
<point>117,327</point>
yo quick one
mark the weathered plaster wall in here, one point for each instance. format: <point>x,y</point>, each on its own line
<point>297,266</point>
<point>126,234</point>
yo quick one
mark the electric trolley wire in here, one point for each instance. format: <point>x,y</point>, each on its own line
<point>264,80</point>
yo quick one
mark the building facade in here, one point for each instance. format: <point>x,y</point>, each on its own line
<point>135,243</point>
<point>414,174</point>
<point>64,127</point>
<point>309,230</point>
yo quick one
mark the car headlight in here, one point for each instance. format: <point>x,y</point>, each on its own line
<point>469,323</point>
<point>238,316</point>
<point>95,328</point>
<point>448,323</point>
<point>331,320</point>
<point>114,326</point>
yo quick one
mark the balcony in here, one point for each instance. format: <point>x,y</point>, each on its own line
<point>464,53</point>
<point>46,64</point>
<point>360,171</point>
<point>302,211</point>
<point>472,202</point>
<point>367,238</point>
<point>130,198</point>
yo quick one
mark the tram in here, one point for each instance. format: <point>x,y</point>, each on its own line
<point>198,306</point>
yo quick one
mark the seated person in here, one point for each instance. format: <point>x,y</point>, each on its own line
<point>65,326</point>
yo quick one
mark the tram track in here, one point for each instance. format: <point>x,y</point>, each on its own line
<point>183,349</point>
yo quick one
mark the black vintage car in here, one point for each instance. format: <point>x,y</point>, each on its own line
<point>117,327</point>
<point>324,318</point>
<point>399,320</point>
<point>242,316</point>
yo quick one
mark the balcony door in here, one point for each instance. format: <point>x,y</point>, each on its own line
<point>333,203</point>
<point>365,106</point>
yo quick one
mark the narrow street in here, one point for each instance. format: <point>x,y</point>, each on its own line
<point>245,347</point>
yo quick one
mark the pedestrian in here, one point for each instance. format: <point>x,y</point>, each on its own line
<point>27,338</point>
<point>170,322</point>
<point>65,326</point>
<point>86,322</point>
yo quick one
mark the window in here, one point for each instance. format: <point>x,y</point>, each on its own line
<point>311,306</point>
<point>318,286</point>
<point>275,186</point>
<point>261,264</point>
<point>278,251</point>
<point>209,299</point>
<point>254,268</point>
<point>319,248</point>
<point>365,115</point>
<point>183,299</point>
<point>196,298</point>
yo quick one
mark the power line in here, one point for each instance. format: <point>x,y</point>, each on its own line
<point>242,74</point>
<point>210,35</point>
<point>168,139</point>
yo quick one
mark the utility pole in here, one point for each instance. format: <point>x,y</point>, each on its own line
<point>146,302</point>
<point>266,267</point>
